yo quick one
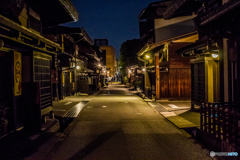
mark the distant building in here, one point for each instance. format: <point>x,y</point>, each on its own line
<point>101,42</point>
<point>108,56</point>
<point>111,63</point>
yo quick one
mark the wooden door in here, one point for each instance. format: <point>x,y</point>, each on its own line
<point>164,85</point>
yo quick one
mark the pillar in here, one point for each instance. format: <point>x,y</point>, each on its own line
<point>157,76</point>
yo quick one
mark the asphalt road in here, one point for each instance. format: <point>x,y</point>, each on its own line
<point>119,125</point>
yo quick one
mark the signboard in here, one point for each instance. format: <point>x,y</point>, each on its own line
<point>17,74</point>
<point>89,80</point>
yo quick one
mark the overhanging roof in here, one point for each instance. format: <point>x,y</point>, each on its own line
<point>193,49</point>
<point>154,10</point>
<point>61,30</point>
<point>148,47</point>
<point>224,9</point>
<point>54,12</point>
<point>181,7</point>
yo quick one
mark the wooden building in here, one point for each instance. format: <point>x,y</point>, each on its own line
<point>90,75</point>
<point>78,64</point>
<point>26,60</point>
<point>215,70</point>
<point>167,75</point>
<point>67,60</point>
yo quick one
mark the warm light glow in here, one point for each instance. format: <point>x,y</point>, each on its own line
<point>147,56</point>
<point>214,55</point>
<point>129,71</point>
<point>78,67</point>
<point>143,69</point>
<point>99,65</point>
<point>104,71</point>
<point>108,72</point>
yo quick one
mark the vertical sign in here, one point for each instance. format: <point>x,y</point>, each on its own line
<point>17,74</point>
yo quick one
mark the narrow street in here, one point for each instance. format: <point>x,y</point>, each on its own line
<point>117,124</point>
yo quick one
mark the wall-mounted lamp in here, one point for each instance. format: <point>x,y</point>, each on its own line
<point>214,50</point>
<point>214,55</point>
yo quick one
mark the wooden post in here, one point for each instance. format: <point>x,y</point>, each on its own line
<point>157,76</point>
<point>201,115</point>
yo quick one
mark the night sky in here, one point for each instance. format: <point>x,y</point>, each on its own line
<point>115,20</point>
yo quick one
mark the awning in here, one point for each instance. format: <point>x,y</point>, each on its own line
<point>193,49</point>
<point>148,47</point>
<point>93,56</point>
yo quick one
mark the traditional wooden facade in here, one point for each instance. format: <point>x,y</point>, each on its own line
<point>78,64</point>
<point>67,60</point>
<point>90,75</point>
<point>168,74</point>
<point>27,59</point>
<point>214,65</point>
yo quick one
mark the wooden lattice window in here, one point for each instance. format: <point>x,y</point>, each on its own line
<point>42,74</point>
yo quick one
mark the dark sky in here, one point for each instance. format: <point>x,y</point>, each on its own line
<point>115,20</point>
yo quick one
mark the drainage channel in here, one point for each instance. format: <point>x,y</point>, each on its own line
<point>70,115</point>
<point>158,107</point>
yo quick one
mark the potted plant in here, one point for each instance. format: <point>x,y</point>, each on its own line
<point>136,84</point>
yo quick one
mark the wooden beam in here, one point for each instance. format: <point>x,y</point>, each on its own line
<point>26,31</point>
<point>21,42</point>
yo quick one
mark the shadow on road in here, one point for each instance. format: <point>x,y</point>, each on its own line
<point>93,145</point>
